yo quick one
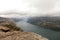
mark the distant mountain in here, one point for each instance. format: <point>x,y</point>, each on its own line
<point>46,22</point>
<point>17,19</point>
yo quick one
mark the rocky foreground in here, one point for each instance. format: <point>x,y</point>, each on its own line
<point>17,35</point>
<point>8,31</point>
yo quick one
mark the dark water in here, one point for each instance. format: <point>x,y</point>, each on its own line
<point>50,34</point>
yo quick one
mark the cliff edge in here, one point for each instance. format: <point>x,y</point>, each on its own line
<point>9,31</point>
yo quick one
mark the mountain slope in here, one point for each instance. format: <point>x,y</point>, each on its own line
<point>46,22</point>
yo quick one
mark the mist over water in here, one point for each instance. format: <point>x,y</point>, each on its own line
<point>50,34</point>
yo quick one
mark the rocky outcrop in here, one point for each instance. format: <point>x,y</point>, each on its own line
<point>8,23</point>
<point>9,31</point>
<point>17,35</point>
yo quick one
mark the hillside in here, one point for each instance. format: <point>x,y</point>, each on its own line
<point>6,22</point>
<point>46,22</point>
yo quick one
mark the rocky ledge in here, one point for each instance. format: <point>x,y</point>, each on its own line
<point>9,31</point>
<point>17,35</point>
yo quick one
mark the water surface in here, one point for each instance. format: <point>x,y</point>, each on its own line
<point>50,34</point>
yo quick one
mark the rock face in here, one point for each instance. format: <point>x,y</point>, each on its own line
<point>9,31</point>
<point>9,24</point>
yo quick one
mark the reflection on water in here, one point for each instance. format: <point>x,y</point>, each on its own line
<point>50,34</point>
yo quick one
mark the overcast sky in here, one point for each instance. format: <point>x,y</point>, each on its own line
<point>31,7</point>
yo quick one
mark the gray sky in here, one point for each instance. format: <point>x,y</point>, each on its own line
<point>31,7</point>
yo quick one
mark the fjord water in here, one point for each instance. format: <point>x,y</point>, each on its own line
<point>50,34</point>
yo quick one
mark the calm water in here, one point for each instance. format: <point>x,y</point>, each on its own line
<point>50,34</point>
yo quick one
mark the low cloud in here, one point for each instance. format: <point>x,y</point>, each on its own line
<point>30,7</point>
